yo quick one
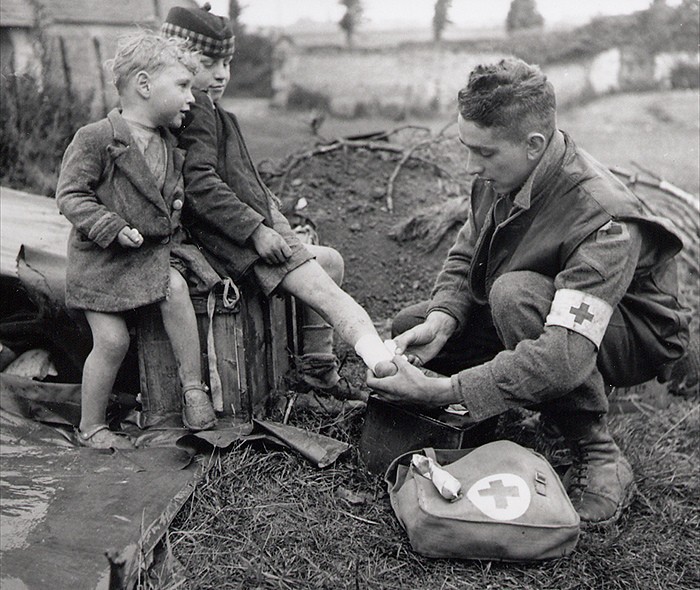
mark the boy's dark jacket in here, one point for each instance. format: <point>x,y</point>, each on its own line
<point>105,185</point>
<point>226,199</point>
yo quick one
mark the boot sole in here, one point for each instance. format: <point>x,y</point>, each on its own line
<point>603,524</point>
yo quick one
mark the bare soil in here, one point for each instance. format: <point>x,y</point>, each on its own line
<point>346,196</point>
<point>346,189</point>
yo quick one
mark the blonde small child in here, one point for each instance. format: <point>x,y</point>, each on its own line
<point>121,187</point>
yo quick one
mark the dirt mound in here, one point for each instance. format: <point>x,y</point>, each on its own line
<point>346,198</point>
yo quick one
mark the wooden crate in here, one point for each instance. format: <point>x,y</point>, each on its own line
<point>254,342</point>
<point>392,429</point>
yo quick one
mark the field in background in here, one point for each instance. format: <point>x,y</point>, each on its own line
<point>658,130</point>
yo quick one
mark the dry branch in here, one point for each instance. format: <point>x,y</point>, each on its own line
<point>374,142</point>
<point>408,154</point>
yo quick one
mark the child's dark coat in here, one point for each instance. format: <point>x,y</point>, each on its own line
<point>227,200</point>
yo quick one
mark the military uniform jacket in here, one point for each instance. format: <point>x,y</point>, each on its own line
<point>104,186</point>
<point>562,225</point>
<point>227,200</point>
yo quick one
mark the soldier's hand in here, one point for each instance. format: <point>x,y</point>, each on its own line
<point>410,385</point>
<point>423,342</point>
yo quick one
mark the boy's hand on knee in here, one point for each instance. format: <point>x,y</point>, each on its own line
<point>269,245</point>
<point>130,237</point>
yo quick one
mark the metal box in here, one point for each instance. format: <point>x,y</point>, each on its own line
<point>392,429</point>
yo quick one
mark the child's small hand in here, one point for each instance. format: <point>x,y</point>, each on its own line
<point>130,237</point>
<point>269,245</point>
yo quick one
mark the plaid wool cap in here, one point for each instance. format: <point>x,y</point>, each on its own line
<point>210,34</point>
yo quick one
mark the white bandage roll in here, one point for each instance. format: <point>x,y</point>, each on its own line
<point>447,485</point>
<point>372,350</point>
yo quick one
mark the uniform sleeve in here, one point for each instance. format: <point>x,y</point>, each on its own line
<point>76,196</point>
<point>451,291</point>
<point>592,283</point>
<point>209,199</point>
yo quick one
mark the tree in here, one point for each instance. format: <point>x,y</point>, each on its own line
<point>252,62</point>
<point>351,19</point>
<point>652,27</point>
<point>440,19</point>
<point>685,23</point>
<point>234,13</point>
<point>523,14</point>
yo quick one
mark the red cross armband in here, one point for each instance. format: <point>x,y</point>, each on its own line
<point>580,312</point>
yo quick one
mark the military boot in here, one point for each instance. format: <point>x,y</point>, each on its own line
<point>600,482</point>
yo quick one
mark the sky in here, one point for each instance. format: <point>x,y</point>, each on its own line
<point>391,13</point>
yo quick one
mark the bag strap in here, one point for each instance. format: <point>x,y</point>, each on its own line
<point>215,385</point>
<point>430,453</point>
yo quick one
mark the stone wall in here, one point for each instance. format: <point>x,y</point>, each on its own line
<point>423,80</point>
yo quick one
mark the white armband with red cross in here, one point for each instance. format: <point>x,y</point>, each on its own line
<point>580,312</point>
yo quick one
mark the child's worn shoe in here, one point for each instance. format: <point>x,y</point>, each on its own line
<point>197,411</point>
<point>101,437</point>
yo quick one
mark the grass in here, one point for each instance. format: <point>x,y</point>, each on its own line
<point>268,519</point>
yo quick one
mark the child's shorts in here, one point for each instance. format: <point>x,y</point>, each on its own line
<point>269,276</point>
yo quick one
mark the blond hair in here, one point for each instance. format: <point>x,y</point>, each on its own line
<point>151,53</point>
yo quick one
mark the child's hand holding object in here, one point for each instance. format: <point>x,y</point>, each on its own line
<point>130,237</point>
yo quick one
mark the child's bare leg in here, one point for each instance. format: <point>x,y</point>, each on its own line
<point>319,365</point>
<point>332,263</point>
<point>110,338</point>
<point>310,284</point>
<point>180,323</point>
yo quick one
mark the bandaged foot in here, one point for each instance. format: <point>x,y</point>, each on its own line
<point>377,355</point>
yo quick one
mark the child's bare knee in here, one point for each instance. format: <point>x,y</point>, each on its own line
<point>331,261</point>
<point>179,289</point>
<point>113,342</point>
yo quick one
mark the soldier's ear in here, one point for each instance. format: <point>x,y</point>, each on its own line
<point>536,144</point>
<point>143,83</point>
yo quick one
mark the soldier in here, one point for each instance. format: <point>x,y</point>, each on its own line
<point>557,287</point>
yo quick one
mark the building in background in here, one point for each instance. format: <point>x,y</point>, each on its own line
<point>69,40</point>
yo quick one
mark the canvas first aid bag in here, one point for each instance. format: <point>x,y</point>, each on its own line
<point>511,506</point>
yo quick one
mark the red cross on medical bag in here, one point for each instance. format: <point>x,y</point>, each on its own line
<point>499,501</point>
